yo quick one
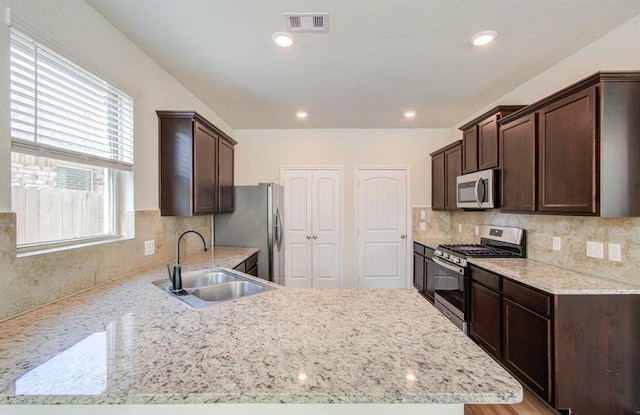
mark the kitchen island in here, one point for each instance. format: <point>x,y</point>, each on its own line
<point>125,345</point>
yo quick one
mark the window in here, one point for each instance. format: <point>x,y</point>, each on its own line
<point>72,148</point>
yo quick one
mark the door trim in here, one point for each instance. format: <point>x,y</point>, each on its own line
<point>341,212</point>
<point>409,253</point>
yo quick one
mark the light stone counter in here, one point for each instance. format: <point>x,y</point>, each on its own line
<point>231,256</point>
<point>552,279</point>
<point>128,342</point>
<point>434,242</point>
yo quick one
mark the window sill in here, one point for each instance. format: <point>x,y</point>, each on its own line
<point>24,252</point>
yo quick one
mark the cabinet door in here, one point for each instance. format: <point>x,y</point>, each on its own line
<point>527,347</point>
<point>485,319</point>
<point>204,169</point>
<point>437,182</point>
<point>225,177</point>
<point>298,193</point>
<point>488,143</point>
<point>430,279</point>
<point>418,272</point>
<point>518,165</point>
<point>326,228</point>
<point>568,145</point>
<point>453,166</point>
<point>470,150</point>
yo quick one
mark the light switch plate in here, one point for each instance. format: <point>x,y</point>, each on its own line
<point>556,243</point>
<point>595,249</point>
<point>615,253</point>
<point>423,215</point>
<point>477,230</point>
<point>423,226</point>
<point>459,227</point>
<point>149,247</point>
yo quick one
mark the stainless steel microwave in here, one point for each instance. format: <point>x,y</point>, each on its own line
<point>477,190</point>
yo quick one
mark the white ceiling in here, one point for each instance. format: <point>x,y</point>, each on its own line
<point>379,58</point>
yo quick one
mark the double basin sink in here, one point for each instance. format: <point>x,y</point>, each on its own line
<point>205,288</point>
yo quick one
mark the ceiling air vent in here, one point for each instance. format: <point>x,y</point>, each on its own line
<point>307,22</point>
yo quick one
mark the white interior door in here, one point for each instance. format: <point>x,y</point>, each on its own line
<point>326,228</point>
<point>313,220</point>
<point>382,198</point>
<point>298,188</point>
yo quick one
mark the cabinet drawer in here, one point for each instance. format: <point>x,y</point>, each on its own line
<point>428,252</point>
<point>486,278</point>
<point>418,248</point>
<point>526,297</point>
<point>251,261</point>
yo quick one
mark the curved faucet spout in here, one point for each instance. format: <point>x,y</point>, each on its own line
<point>183,234</point>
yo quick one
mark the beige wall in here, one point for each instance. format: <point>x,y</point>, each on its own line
<point>261,153</point>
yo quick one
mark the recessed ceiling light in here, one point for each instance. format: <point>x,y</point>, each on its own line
<point>484,38</point>
<point>409,114</point>
<point>302,114</point>
<point>283,39</point>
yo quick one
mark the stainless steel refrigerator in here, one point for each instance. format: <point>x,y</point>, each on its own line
<point>256,222</point>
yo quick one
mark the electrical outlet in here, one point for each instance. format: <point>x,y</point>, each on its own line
<point>423,226</point>
<point>459,227</point>
<point>595,249</point>
<point>556,243</point>
<point>615,253</point>
<point>477,230</point>
<point>423,215</point>
<point>149,247</point>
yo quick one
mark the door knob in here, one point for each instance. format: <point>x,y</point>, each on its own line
<point>308,236</point>
<point>315,236</point>
<point>403,236</point>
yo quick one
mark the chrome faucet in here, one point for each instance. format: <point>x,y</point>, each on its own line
<point>176,276</point>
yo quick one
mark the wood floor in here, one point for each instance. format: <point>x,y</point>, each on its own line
<point>530,405</point>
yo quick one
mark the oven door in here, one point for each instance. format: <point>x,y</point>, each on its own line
<point>450,292</point>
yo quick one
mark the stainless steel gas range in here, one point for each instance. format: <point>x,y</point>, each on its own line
<point>451,271</point>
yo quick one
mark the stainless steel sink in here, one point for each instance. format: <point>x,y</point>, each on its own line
<point>203,279</point>
<point>206,288</point>
<point>228,290</point>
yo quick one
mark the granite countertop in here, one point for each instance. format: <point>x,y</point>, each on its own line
<point>231,256</point>
<point>552,279</point>
<point>128,342</point>
<point>434,242</point>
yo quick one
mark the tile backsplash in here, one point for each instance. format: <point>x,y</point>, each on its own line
<point>573,231</point>
<point>29,282</point>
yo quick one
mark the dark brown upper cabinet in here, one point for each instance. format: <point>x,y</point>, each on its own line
<point>587,144</point>
<point>196,165</point>
<point>480,139</point>
<point>446,166</point>
<point>518,165</point>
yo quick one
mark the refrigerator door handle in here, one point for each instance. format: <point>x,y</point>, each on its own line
<point>278,229</point>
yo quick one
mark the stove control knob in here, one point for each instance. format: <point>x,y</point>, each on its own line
<point>445,256</point>
<point>455,260</point>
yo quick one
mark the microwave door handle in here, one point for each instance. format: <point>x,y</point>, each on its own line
<point>475,191</point>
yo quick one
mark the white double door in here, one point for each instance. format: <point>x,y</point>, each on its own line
<point>382,214</point>
<point>312,225</point>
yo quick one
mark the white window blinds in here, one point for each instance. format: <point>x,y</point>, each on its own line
<point>60,110</point>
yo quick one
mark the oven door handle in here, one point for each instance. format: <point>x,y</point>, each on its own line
<point>457,270</point>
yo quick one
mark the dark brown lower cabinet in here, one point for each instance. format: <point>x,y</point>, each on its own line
<point>424,271</point>
<point>485,325</point>
<point>578,352</point>
<point>430,277</point>
<point>527,347</point>
<point>249,266</point>
<point>418,267</point>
